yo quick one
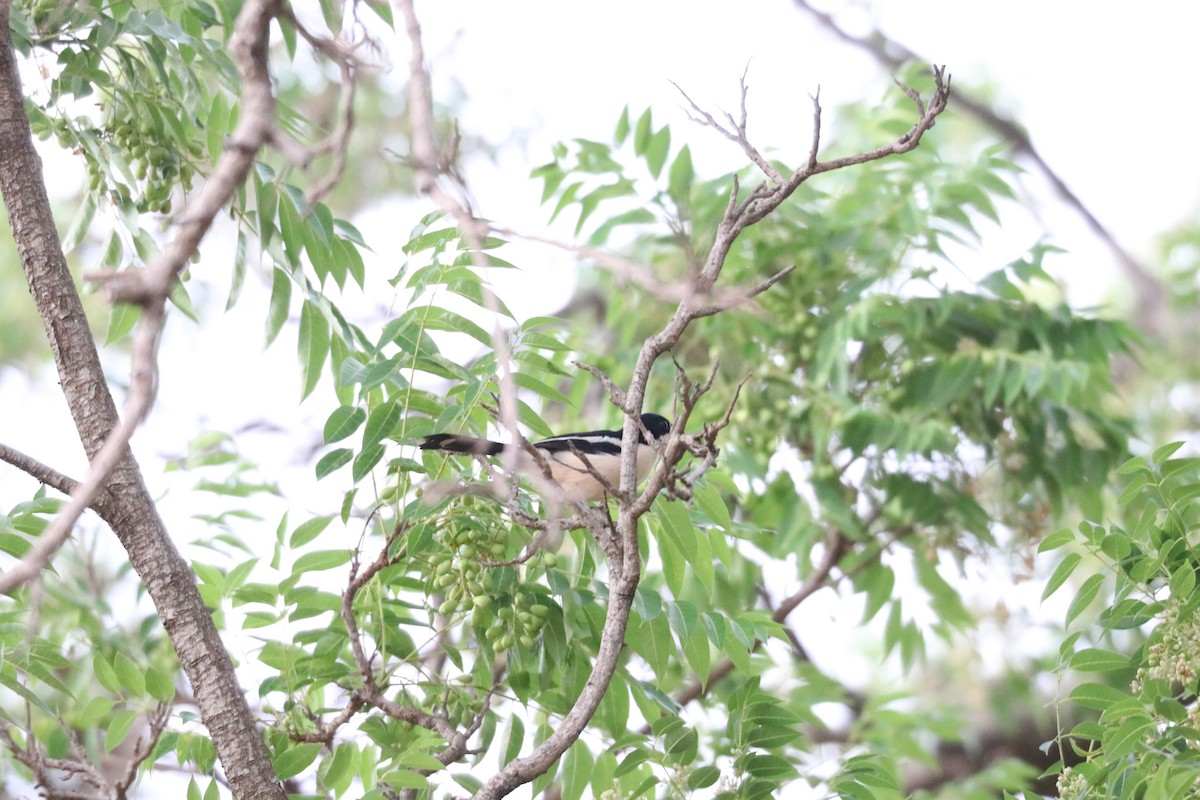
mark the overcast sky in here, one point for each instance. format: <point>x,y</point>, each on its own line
<point>1107,91</point>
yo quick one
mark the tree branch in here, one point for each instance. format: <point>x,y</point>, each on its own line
<point>735,131</point>
<point>36,469</point>
<point>131,513</point>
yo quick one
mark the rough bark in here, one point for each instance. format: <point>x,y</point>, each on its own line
<point>125,505</point>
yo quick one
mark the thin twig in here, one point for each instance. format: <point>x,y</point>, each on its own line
<point>338,142</point>
<point>36,469</point>
<point>735,132</point>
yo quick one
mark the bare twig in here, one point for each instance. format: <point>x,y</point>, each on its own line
<point>708,311</point>
<point>615,393</point>
<point>370,693</point>
<point>338,143</point>
<point>735,131</point>
<point>42,765</point>
<point>156,724</point>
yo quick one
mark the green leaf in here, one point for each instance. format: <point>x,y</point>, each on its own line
<point>698,654</point>
<point>343,422</point>
<point>366,461</point>
<point>384,10</point>
<point>1183,580</point>
<point>309,530</point>
<point>9,680</point>
<point>131,676</point>
<point>118,729</point>
<point>381,421</point>
<point>96,709</point>
<point>239,271</point>
<point>679,181</point>
<point>657,150</point>
<point>622,131</point>
<point>576,771</point>
<point>446,320</point>
<point>1132,733</point>
<point>404,779</point>
<point>295,759</point>
<point>81,224</point>
<point>292,229</point>
<point>1133,465</point>
<point>631,761</point>
<point>1095,695</point>
<point>880,582</point>
<point>1084,597</point>
<point>515,739</point>
<point>160,685</point>
<point>1093,659</point>
<point>713,506</point>
<point>1060,537</point>
<point>337,773</point>
<point>642,132</point>
<point>603,773</point>
<point>703,777</point>
<point>1161,454</point>
<point>678,527</point>
<point>281,300</point>
<point>121,320</point>
<point>313,346</point>
<point>1061,573</point>
<point>105,674</point>
<point>333,461</point>
<point>319,560</point>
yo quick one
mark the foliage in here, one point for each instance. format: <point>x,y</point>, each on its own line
<point>1130,577</point>
<point>896,423</point>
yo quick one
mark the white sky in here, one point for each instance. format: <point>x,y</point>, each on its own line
<point>1107,91</point>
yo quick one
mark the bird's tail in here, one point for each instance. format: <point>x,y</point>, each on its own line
<point>455,443</point>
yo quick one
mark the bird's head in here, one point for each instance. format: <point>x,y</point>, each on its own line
<point>656,425</point>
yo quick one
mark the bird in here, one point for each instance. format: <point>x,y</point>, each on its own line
<point>565,454</point>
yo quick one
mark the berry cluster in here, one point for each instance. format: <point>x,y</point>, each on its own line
<point>517,623</point>
<point>458,573</point>
<point>153,157</point>
<point>458,569</point>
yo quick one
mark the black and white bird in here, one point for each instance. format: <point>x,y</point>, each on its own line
<point>565,456</point>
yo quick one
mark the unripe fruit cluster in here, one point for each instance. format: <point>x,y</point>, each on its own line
<point>518,623</point>
<point>153,159</point>
<point>458,571</point>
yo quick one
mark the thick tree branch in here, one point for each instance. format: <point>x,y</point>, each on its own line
<point>131,513</point>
